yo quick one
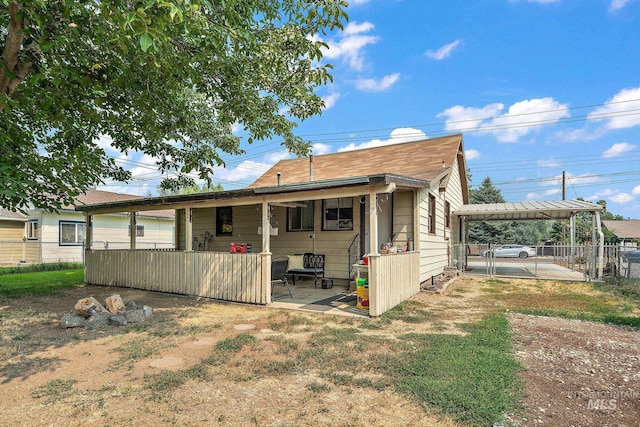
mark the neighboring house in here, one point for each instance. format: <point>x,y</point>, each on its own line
<point>45,237</point>
<point>342,205</point>
<point>628,231</point>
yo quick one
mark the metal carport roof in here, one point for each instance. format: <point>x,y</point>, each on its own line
<point>559,210</point>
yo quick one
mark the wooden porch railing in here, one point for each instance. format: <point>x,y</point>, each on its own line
<point>223,276</point>
<point>393,279</point>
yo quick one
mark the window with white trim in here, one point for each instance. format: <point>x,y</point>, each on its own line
<point>72,233</point>
<point>139,230</point>
<point>32,229</point>
<point>337,214</point>
<point>432,214</point>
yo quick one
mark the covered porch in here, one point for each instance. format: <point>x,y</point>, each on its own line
<point>201,264</point>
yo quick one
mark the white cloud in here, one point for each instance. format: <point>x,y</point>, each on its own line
<point>471,154</point>
<point>620,111</point>
<point>330,100</point>
<point>526,116</point>
<point>355,28</point>
<point>460,118</point>
<point>622,198</point>
<point>636,191</point>
<point>618,150</point>
<point>350,44</point>
<point>520,119</point>
<point>396,136</point>
<point>584,134</point>
<point>548,163</point>
<point>235,128</point>
<point>616,5</point>
<point>443,52</point>
<point>320,148</point>
<point>372,85</point>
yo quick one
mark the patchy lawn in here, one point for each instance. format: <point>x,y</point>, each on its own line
<point>435,360</point>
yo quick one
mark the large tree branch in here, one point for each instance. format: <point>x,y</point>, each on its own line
<point>13,70</point>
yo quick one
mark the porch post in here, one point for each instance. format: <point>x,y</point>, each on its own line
<point>266,249</point>
<point>373,222</point>
<point>266,232</point>
<point>188,229</point>
<point>463,234</point>
<point>132,230</point>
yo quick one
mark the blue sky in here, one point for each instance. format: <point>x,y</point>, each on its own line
<point>537,87</point>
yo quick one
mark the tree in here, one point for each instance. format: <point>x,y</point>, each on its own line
<point>166,78</point>
<point>193,189</point>
<point>522,232</point>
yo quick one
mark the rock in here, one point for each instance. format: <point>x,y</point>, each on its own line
<point>73,320</point>
<point>117,320</point>
<point>87,307</point>
<point>115,304</point>
<point>135,316</point>
<point>132,305</point>
<point>98,321</point>
<point>148,311</point>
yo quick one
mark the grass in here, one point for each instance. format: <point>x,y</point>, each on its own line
<point>31,268</point>
<point>471,378</point>
<point>39,283</point>
<point>596,302</point>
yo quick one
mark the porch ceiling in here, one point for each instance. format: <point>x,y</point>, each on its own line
<point>557,210</point>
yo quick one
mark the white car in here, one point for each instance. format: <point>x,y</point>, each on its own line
<point>510,251</point>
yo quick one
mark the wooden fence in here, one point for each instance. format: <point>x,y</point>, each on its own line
<point>223,276</point>
<point>392,280</point>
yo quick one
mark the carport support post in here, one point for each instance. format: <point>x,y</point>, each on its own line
<point>87,238</point>
<point>373,251</point>
<point>600,246</point>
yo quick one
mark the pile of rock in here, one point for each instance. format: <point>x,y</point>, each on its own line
<point>90,314</point>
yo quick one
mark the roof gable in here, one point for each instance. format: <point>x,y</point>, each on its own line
<point>426,160</point>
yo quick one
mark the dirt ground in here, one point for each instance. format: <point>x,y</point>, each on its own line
<point>576,373</point>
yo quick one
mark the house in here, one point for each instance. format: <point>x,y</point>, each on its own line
<point>628,231</point>
<point>392,203</point>
<point>41,236</point>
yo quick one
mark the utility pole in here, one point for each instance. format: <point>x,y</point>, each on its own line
<point>564,222</point>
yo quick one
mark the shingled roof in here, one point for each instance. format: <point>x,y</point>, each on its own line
<point>428,159</point>
<point>629,229</point>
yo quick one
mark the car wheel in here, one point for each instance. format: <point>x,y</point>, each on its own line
<point>523,254</point>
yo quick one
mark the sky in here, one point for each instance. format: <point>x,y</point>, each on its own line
<point>536,87</point>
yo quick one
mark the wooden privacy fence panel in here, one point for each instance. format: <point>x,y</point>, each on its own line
<point>392,280</point>
<point>223,276</point>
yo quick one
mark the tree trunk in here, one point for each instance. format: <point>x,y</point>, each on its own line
<point>13,70</point>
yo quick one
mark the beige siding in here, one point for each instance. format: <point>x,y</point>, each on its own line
<point>333,244</point>
<point>224,276</point>
<point>403,217</point>
<point>11,231</point>
<point>393,279</point>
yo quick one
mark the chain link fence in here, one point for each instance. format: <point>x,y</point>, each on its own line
<point>31,252</point>
<point>558,262</point>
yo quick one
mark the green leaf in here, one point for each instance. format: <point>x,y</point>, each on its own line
<point>146,41</point>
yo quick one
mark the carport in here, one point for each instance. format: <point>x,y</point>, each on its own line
<point>530,211</point>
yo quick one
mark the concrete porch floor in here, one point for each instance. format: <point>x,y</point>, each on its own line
<point>337,300</point>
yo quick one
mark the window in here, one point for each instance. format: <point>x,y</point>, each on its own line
<point>447,214</point>
<point>300,218</point>
<point>337,214</point>
<point>32,229</point>
<point>224,221</point>
<point>72,233</point>
<point>432,214</point>
<point>139,230</point>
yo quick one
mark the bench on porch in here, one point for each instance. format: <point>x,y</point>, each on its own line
<point>312,266</point>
